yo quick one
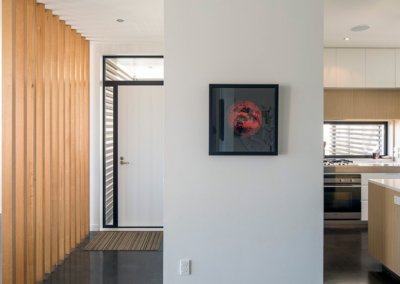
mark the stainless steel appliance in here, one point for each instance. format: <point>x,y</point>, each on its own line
<point>342,196</point>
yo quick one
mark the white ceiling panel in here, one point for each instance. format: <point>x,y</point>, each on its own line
<point>96,19</point>
<point>383,17</point>
<point>144,20</point>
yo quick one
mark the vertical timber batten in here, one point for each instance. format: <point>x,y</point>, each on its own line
<point>45,141</point>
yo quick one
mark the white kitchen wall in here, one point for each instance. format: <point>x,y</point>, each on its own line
<point>97,50</point>
<point>244,219</point>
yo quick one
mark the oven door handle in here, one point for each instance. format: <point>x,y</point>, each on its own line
<point>341,186</point>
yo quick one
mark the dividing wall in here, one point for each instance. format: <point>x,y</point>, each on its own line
<point>45,141</point>
<point>243,219</point>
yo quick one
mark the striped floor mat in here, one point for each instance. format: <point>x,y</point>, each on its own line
<point>139,241</point>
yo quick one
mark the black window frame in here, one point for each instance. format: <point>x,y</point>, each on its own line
<point>115,85</point>
<point>385,150</point>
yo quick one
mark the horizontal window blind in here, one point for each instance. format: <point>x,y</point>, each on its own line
<point>355,139</point>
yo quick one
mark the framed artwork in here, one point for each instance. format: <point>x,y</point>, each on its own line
<point>243,119</point>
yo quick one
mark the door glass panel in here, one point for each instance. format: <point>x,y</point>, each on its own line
<point>134,69</point>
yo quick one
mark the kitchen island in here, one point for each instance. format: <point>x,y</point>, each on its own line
<point>384,222</point>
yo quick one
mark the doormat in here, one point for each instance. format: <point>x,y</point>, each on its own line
<point>136,241</point>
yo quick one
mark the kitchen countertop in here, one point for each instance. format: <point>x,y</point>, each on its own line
<point>392,184</point>
<point>367,166</point>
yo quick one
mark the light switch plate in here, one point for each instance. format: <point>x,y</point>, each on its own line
<point>185,267</point>
<point>397,200</point>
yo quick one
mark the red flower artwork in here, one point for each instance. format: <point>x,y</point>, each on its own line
<point>245,118</point>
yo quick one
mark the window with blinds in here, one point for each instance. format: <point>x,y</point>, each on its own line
<point>355,139</point>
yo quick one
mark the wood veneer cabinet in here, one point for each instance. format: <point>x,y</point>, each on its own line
<point>361,104</point>
<point>384,225</point>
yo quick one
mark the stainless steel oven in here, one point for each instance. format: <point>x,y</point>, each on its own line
<point>342,196</point>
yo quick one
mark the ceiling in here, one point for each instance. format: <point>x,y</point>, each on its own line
<point>383,17</point>
<point>144,20</point>
<point>96,19</point>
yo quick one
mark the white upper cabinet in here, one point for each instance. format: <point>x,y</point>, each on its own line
<point>361,68</point>
<point>380,69</point>
<point>350,68</point>
<point>397,68</point>
<point>330,79</point>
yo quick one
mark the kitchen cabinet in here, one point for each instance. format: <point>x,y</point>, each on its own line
<point>364,189</point>
<point>384,224</point>
<point>380,68</point>
<point>376,104</point>
<point>330,79</point>
<point>361,68</point>
<point>364,210</point>
<point>350,67</point>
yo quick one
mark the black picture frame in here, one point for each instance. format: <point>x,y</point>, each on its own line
<point>243,119</point>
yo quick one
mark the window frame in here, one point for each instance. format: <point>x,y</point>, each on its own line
<point>115,85</point>
<point>139,82</point>
<point>385,144</point>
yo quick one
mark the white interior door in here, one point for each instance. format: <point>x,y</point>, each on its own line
<point>140,154</point>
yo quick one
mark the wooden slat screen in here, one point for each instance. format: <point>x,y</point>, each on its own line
<point>45,141</point>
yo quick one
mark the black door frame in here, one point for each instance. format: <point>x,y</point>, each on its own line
<point>115,85</point>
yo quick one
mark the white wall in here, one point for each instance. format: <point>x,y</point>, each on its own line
<point>97,50</point>
<point>244,219</point>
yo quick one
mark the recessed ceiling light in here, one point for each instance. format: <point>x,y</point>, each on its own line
<point>360,28</point>
<point>346,39</point>
<point>120,20</point>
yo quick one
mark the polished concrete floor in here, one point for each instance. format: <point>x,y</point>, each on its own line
<point>346,259</point>
<point>109,267</point>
